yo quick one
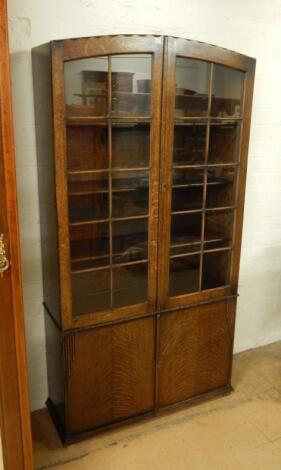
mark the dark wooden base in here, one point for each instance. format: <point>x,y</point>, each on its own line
<point>71,438</point>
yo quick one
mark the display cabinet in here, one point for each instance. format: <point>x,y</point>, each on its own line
<point>142,153</point>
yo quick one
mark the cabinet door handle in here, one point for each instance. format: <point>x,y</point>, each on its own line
<point>4,262</point>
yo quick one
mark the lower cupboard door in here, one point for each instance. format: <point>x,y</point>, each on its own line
<point>194,351</point>
<point>110,374</point>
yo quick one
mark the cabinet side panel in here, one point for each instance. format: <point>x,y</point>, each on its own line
<point>55,366</point>
<point>46,177</point>
<point>195,351</point>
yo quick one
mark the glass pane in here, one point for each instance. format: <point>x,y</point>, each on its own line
<point>89,246</point>
<point>87,183</point>
<point>220,187</point>
<point>131,85</point>
<point>86,86</point>
<point>130,145</point>
<point>90,291</point>
<point>185,233</point>
<point>216,269</point>
<point>224,143</point>
<point>189,144</point>
<point>130,240</point>
<point>192,84</point>
<point>129,285</point>
<point>130,192</point>
<point>87,147</point>
<point>187,191</point>
<point>88,207</point>
<point>218,229</point>
<point>227,92</point>
<point>184,275</point>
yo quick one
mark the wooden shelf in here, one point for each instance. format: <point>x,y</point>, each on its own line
<point>113,219</point>
<point>107,170</point>
<point>114,92</point>
<point>132,120</point>
<point>109,266</point>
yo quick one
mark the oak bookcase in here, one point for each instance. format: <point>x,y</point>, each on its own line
<point>142,153</point>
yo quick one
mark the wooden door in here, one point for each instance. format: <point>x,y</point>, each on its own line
<point>195,351</point>
<point>14,404</point>
<point>110,374</point>
<point>107,133</point>
<point>207,109</point>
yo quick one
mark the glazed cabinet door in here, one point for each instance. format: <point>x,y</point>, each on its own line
<point>195,351</point>
<point>207,96</point>
<point>109,374</point>
<point>107,106</point>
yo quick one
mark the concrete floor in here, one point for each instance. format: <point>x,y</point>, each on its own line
<point>240,431</point>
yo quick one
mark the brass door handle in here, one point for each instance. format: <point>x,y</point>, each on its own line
<point>4,262</point>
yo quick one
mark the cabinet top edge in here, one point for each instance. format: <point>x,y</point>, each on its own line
<point>58,43</point>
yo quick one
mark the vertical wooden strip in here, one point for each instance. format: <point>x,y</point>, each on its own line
<point>245,133</point>
<point>155,135</point>
<point>165,195</point>
<point>61,183</point>
<point>207,145</point>
<point>110,178</point>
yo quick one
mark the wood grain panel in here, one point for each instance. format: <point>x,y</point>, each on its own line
<point>195,347</point>
<point>111,374</point>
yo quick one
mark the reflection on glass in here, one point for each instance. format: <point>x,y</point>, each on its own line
<point>227,92</point>
<point>187,191</point>
<point>87,183</point>
<point>88,207</point>
<point>130,192</point>
<point>218,229</point>
<point>86,87</point>
<point>130,145</point>
<point>189,144</point>
<point>188,177</point>
<point>90,291</point>
<point>192,83</point>
<point>224,143</point>
<point>220,187</point>
<point>184,275</point>
<point>186,199</point>
<point>87,147</point>
<point>129,284</point>
<point>89,245</point>
<point>216,269</point>
<point>185,233</point>
<point>131,85</point>
<point>130,240</point>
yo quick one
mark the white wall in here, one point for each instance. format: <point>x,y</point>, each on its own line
<point>252,27</point>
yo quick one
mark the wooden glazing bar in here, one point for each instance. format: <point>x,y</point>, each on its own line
<point>191,211</point>
<point>99,120</point>
<point>110,178</point>
<point>214,250</point>
<point>107,170</point>
<point>114,219</point>
<point>205,175</point>
<point>206,165</point>
<point>201,121</point>
<point>185,255</point>
<point>221,208</point>
<point>102,191</point>
<point>109,266</point>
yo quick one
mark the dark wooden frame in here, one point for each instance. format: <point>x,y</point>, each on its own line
<point>94,47</point>
<point>194,50</point>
